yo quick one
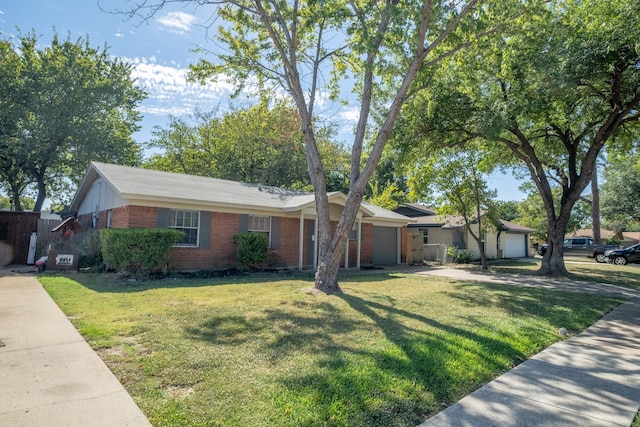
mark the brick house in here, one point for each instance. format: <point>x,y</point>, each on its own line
<point>210,211</point>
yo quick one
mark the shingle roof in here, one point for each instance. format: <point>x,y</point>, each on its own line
<point>454,221</point>
<point>147,184</point>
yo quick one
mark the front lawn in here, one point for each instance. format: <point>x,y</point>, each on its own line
<point>586,269</point>
<point>392,350</point>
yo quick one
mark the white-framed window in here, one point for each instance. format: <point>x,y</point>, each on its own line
<point>425,235</point>
<point>187,222</point>
<point>260,224</point>
<point>109,218</point>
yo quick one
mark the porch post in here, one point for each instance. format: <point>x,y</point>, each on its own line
<point>398,245</point>
<point>301,241</point>
<point>315,242</point>
<point>359,243</point>
<point>346,256</point>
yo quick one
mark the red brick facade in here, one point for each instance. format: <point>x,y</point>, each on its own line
<point>221,250</point>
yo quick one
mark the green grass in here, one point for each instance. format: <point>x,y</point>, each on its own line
<point>392,350</point>
<point>586,269</point>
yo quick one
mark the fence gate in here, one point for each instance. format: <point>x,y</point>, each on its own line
<point>415,253</point>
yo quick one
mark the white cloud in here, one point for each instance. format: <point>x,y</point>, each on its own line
<point>119,35</point>
<point>177,22</point>
<point>169,93</point>
<point>351,114</point>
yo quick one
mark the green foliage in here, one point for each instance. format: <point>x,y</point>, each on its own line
<point>88,244</point>
<point>507,210</point>
<point>272,151</point>
<point>539,98</point>
<point>389,198</point>
<point>251,248</point>
<point>620,193</point>
<point>532,214</point>
<point>138,251</point>
<point>460,256</point>
<point>62,106</point>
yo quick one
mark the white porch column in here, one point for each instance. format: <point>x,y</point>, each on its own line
<point>301,242</point>
<point>315,242</point>
<point>359,237</point>
<point>346,255</point>
<point>398,245</point>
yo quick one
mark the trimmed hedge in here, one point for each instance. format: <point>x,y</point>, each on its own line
<point>251,249</point>
<point>138,251</point>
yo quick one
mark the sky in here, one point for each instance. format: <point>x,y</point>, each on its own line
<point>160,49</point>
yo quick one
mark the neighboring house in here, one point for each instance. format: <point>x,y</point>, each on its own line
<point>211,211</point>
<point>510,240</point>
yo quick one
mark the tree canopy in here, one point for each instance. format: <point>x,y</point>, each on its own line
<point>366,51</point>
<point>258,144</point>
<point>547,96</point>
<point>61,106</point>
<point>620,193</point>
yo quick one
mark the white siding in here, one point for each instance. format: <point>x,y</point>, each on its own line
<point>100,197</point>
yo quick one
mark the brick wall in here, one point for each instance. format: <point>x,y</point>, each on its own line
<point>221,251</point>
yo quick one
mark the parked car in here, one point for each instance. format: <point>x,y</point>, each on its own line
<point>624,256</point>
<point>581,246</point>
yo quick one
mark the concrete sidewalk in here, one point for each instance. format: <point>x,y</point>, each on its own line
<point>49,376</point>
<point>592,379</point>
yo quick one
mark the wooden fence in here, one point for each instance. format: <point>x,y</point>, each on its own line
<point>16,229</point>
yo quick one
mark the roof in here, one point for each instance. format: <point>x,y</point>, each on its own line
<point>413,210</point>
<point>159,186</point>
<point>456,221</point>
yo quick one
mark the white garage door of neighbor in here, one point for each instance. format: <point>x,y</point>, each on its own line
<point>514,246</point>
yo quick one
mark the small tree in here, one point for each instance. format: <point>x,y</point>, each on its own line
<point>454,181</point>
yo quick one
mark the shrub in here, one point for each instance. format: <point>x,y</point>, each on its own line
<point>88,244</point>
<point>251,249</point>
<point>460,256</point>
<point>138,251</point>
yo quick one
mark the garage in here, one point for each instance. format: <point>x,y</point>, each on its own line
<point>385,245</point>
<point>515,245</point>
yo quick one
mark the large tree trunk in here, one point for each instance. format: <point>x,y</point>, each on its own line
<point>595,207</point>
<point>15,199</point>
<point>42,195</point>
<point>332,246</point>
<point>553,259</point>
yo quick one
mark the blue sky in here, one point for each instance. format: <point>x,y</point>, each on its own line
<point>160,48</point>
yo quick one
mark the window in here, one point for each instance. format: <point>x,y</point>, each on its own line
<point>425,235</point>
<point>260,224</point>
<point>353,235</point>
<point>109,218</point>
<point>187,222</point>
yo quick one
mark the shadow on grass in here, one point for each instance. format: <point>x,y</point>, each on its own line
<point>384,366</point>
<point>112,283</point>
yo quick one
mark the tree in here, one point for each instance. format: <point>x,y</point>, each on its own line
<point>309,48</point>
<point>63,105</point>
<point>453,180</point>
<point>532,214</point>
<point>621,192</point>
<point>507,209</point>
<point>548,96</point>
<point>258,144</point>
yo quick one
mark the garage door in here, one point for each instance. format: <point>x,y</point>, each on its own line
<point>384,245</point>
<point>515,246</point>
